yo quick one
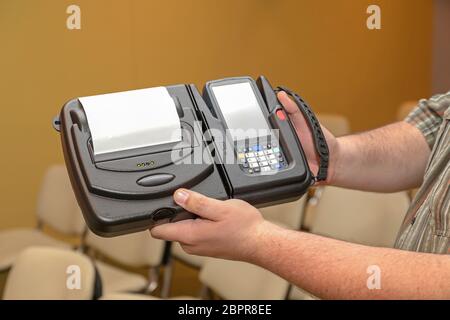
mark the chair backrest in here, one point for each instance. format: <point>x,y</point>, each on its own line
<point>360,217</point>
<point>234,280</point>
<point>57,206</point>
<point>297,293</point>
<point>192,260</point>
<point>134,250</point>
<point>288,214</point>
<point>43,273</point>
<point>337,124</point>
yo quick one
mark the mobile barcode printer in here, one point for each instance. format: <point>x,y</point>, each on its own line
<point>127,152</point>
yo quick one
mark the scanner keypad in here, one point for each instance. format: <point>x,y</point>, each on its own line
<point>261,159</point>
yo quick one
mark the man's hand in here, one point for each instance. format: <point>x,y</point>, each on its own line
<point>377,160</point>
<point>226,229</point>
<point>305,136</point>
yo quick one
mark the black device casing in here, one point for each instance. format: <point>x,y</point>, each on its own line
<point>113,203</point>
<point>260,190</point>
<point>105,187</point>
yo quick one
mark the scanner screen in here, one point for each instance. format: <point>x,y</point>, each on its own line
<point>241,110</point>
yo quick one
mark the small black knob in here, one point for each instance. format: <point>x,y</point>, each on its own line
<point>164,213</point>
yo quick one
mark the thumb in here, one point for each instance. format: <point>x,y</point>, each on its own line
<point>199,204</point>
<point>287,103</point>
<point>292,109</point>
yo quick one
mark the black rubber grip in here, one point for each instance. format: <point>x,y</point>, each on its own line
<point>317,133</point>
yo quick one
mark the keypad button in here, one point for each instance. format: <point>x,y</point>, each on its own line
<point>261,158</point>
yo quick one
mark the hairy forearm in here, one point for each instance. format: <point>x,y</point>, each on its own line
<point>388,159</point>
<point>333,269</point>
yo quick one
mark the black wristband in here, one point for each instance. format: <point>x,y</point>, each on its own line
<point>320,142</point>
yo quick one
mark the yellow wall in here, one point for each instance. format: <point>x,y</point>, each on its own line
<point>320,48</point>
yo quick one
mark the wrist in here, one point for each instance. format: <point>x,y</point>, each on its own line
<point>337,159</point>
<point>260,242</point>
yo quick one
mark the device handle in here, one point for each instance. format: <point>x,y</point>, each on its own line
<point>320,142</point>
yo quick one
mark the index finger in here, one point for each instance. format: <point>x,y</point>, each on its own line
<point>176,231</point>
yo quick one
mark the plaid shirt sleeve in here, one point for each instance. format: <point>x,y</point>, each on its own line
<point>428,116</point>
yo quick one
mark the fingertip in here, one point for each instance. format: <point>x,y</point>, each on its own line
<point>166,231</point>
<point>282,95</point>
<point>284,98</point>
<point>288,104</point>
<point>154,232</point>
<point>181,196</point>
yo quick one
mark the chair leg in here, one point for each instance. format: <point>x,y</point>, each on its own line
<point>167,263</point>
<point>167,279</point>
<point>153,275</point>
<point>83,245</point>
<point>40,225</point>
<point>205,292</point>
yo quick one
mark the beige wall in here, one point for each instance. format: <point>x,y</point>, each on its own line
<point>320,48</point>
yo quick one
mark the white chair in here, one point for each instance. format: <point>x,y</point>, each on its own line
<point>230,280</point>
<point>136,296</point>
<point>56,208</point>
<point>355,216</point>
<point>177,253</point>
<point>127,296</point>
<point>300,294</point>
<point>233,280</point>
<point>44,273</point>
<point>191,260</point>
<point>137,250</point>
<point>287,214</point>
<point>360,217</point>
<point>337,124</point>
